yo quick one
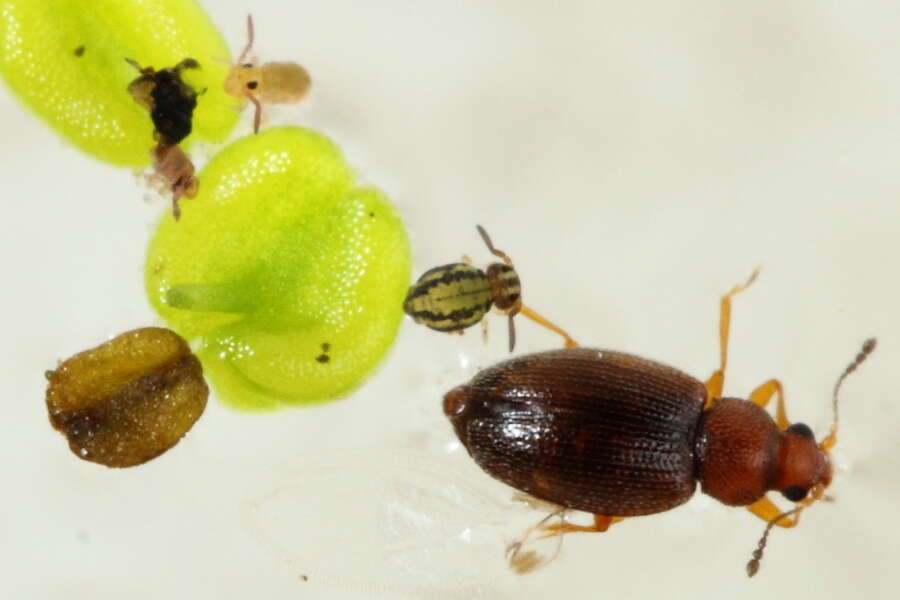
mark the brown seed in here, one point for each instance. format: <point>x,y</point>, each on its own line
<point>127,400</point>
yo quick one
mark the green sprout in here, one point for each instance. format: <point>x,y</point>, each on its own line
<point>65,60</point>
<point>290,274</point>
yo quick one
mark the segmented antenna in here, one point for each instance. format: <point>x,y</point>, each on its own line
<point>134,64</point>
<point>249,39</point>
<point>487,240</point>
<point>831,439</point>
<point>753,565</point>
<point>827,443</point>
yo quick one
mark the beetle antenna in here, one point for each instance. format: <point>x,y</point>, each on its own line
<point>867,348</point>
<point>249,39</point>
<point>753,565</point>
<point>494,251</point>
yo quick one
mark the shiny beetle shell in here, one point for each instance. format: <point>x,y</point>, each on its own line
<point>591,430</point>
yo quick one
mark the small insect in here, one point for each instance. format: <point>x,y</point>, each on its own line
<point>270,83</point>
<point>619,436</point>
<point>79,51</point>
<point>176,171</point>
<point>169,99</point>
<point>456,296</point>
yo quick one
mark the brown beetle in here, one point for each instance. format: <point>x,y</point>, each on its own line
<point>619,436</point>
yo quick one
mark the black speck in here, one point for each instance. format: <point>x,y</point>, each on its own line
<point>326,346</point>
<point>79,51</point>
<point>323,358</point>
<point>252,85</point>
<point>371,214</point>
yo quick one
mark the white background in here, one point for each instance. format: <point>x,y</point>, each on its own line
<point>634,161</point>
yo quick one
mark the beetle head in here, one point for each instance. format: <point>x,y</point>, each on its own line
<point>805,467</point>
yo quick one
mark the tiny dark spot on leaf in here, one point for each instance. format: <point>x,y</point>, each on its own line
<point>79,51</point>
<point>324,358</point>
<point>371,214</point>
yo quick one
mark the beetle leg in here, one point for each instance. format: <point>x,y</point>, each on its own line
<point>764,393</point>
<point>484,331</point>
<point>716,381</point>
<point>569,342</point>
<point>766,510</point>
<point>257,116</point>
<point>601,524</point>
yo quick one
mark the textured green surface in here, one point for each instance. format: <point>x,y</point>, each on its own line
<point>280,253</point>
<point>84,98</point>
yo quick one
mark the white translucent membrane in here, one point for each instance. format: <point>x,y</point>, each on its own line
<point>412,522</point>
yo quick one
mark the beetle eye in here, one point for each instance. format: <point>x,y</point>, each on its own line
<point>247,65</point>
<point>801,429</point>
<point>252,85</point>
<point>795,493</point>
